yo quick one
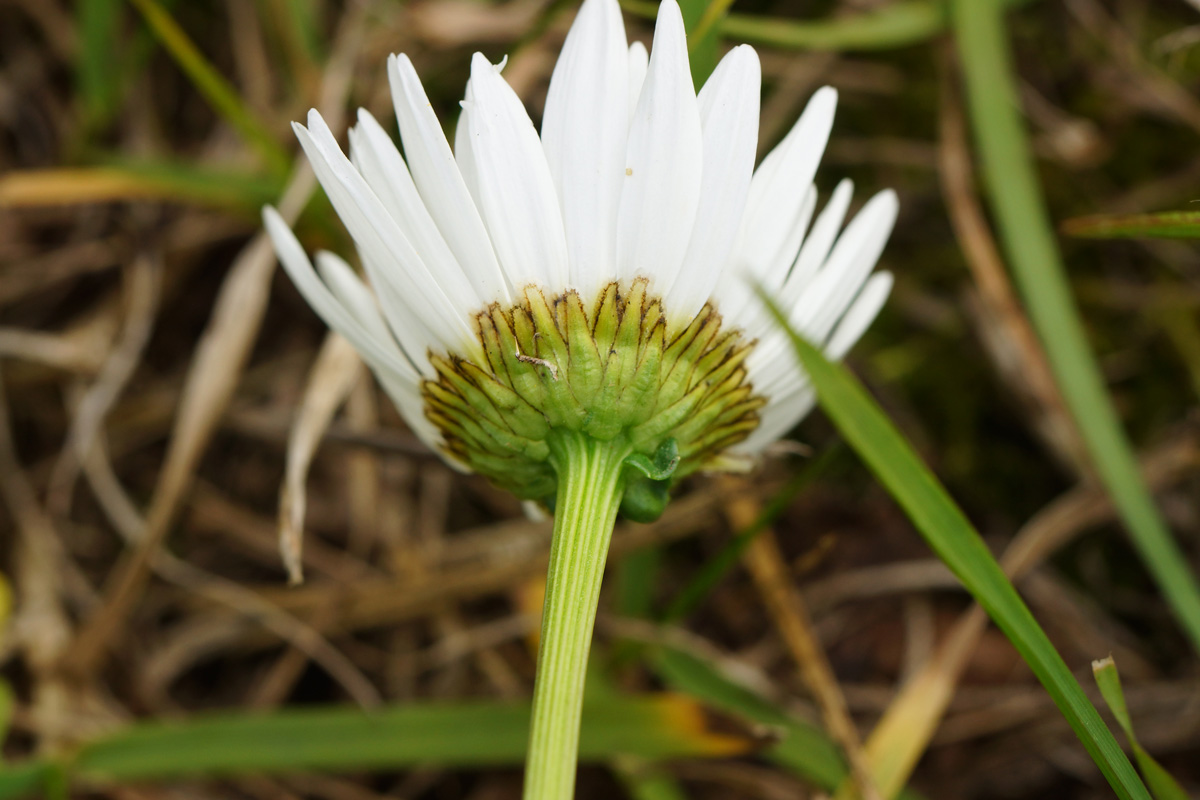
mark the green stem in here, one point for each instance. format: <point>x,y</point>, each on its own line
<point>590,486</point>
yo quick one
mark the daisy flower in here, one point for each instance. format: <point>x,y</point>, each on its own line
<point>573,314</point>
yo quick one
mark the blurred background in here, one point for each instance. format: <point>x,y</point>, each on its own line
<point>155,364</point>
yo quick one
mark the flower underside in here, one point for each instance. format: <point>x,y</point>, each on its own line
<point>671,397</point>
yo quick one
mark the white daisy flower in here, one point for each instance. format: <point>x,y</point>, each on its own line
<point>597,279</point>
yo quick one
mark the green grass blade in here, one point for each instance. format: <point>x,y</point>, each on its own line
<point>447,734</point>
<point>894,25</point>
<point>898,24</point>
<point>1162,785</point>
<point>228,190</point>
<point>210,83</point>
<point>97,77</point>
<point>1166,225</point>
<point>1037,266</point>
<point>956,542</point>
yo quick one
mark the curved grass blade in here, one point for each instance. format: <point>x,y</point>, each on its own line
<point>225,189</point>
<point>1038,269</point>
<point>1166,225</point>
<point>955,541</point>
<point>803,749</point>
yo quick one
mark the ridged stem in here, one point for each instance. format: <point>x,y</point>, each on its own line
<point>590,486</point>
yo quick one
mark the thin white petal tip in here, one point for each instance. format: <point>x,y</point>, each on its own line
<point>826,94</point>
<point>315,120</point>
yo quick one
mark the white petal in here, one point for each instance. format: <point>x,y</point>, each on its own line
<point>752,265</point>
<point>379,351</point>
<point>377,158</point>
<point>389,316</point>
<point>818,243</point>
<point>774,201</point>
<point>584,129</point>
<point>776,419</point>
<point>352,293</point>
<point>852,259</point>
<point>776,196</point>
<point>663,162</point>
<point>516,192</point>
<point>441,184</point>
<point>463,154</point>
<point>382,242</point>
<point>729,120</point>
<point>830,293</point>
<point>639,61</point>
<point>408,401</point>
<point>860,315</point>
<point>789,404</point>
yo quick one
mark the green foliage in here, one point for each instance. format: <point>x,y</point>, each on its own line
<point>212,85</point>
<point>348,739</point>
<point>956,543</point>
<point>1033,255</point>
<point>1167,225</point>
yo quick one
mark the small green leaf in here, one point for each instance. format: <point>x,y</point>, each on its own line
<point>666,459</point>
<point>1167,225</point>
<point>1162,785</point>
<point>648,482</point>
<point>645,500</point>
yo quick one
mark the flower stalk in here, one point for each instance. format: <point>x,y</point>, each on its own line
<point>591,483</point>
<point>569,312</point>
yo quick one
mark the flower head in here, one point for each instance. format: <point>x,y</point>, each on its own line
<point>597,278</point>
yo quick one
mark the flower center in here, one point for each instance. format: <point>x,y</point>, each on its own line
<point>617,372</point>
